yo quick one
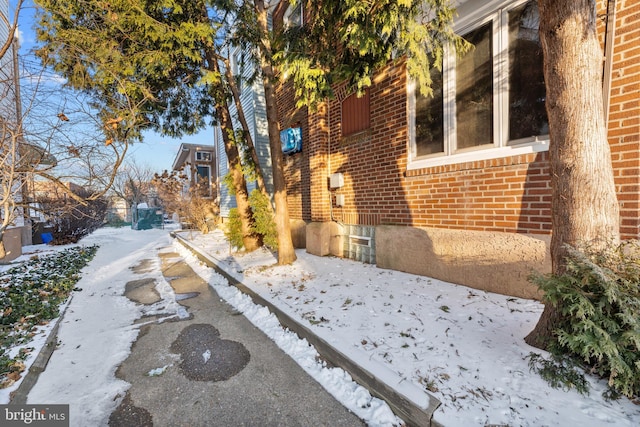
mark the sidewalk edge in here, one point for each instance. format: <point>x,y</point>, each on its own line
<point>19,395</point>
<point>412,414</point>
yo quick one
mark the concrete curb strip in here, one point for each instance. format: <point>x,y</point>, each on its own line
<point>19,396</point>
<point>412,414</point>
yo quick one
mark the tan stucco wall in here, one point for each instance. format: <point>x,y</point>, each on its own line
<point>12,240</point>
<point>324,238</point>
<point>318,237</point>
<point>491,261</point>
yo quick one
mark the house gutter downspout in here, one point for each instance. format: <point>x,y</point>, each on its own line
<point>610,33</point>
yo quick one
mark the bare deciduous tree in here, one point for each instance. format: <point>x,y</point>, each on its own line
<point>180,197</point>
<point>51,134</point>
<point>133,184</point>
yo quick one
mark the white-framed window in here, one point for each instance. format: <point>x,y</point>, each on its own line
<point>488,103</point>
<point>237,69</point>
<point>203,156</point>
<point>294,16</point>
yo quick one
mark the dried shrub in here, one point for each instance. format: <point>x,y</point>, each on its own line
<point>70,219</point>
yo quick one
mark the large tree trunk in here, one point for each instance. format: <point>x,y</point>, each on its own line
<point>584,204</point>
<point>286,251</point>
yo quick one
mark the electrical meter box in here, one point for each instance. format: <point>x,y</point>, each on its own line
<point>336,180</point>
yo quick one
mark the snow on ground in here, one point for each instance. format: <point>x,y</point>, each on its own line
<point>97,329</point>
<point>463,345</point>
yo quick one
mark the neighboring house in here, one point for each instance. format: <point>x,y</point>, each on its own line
<point>40,190</point>
<point>119,210</point>
<point>198,161</point>
<point>18,232</point>
<point>253,105</point>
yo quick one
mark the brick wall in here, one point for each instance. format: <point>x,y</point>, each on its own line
<point>510,194</point>
<point>318,158</point>
<point>296,165</point>
<point>624,114</point>
<point>373,162</point>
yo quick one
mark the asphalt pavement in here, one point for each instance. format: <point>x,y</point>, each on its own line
<point>212,367</point>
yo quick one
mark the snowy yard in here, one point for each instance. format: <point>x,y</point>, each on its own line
<point>464,346</point>
<point>419,335</point>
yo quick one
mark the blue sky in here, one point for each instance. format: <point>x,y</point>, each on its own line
<point>156,151</point>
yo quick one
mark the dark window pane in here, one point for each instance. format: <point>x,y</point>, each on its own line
<point>203,175</point>
<point>474,91</point>
<point>295,18</point>
<point>527,114</point>
<point>429,126</point>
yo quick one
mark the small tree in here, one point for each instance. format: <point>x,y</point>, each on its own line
<point>171,187</point>
<point>179,197</point>
<point>133,183</point>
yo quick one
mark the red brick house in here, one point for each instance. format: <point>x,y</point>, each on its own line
<point>457,187</point>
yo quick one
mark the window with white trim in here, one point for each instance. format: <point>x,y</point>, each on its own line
<point>488,103</point>
<point>237,69</point>
<point>293,17</point>
<point>203,156</point>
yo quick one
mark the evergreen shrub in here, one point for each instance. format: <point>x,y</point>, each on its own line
<point>233,231</point>
<point>263,221</point>
<point>262,224</point>
<point>598,302</point>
